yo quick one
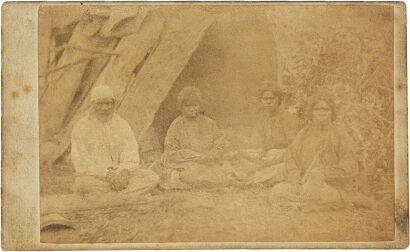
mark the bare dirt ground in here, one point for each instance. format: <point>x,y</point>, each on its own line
<point>224,215</point>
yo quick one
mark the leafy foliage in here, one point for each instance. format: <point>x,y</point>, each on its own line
<point>356,68</point>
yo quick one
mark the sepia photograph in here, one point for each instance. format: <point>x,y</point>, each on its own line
<point>232,123</point>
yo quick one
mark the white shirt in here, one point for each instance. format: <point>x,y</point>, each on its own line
<point>97,145</point>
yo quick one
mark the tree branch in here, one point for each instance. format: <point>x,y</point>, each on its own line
<point>72,64</point>
<point>376,114</point>
<point>93,50</point>
<point>384,88</point>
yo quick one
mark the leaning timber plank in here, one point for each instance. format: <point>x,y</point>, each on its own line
<point>68,87</point>
<point>132,51</point>
<point>112,73</point>
<point>58,128</point>
<point>57,98</point>
<point>95,68</point>
<point>156,77</point>
<point>124,20</point>
<point>63,84</point>
<point>83,36</point>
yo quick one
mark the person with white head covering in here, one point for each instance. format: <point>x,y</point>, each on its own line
<point>106,162</point>
<point>104,151</point>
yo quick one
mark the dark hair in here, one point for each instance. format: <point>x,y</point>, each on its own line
<point>188,93</point>
<point>270,87</point>
<point>321,97</point>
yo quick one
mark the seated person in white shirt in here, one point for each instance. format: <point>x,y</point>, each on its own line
<point>104,150</point>
<point>106,161</point>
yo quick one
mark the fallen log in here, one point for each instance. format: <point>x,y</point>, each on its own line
<point>69,203</point>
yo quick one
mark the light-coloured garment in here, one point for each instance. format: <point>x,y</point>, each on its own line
<point>271,135</point>
<point>192,153</point>
<point>335,145</point>
<point>318,156</point>
<point>199,135</point>
<point>275,130</point>
<point>96,145</point>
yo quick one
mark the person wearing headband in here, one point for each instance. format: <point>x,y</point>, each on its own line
<point>104,151</point>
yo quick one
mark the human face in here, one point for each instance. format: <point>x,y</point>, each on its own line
<point>269,100</point>
<point>321,113</point>
<point>190,110</point>
<point>104,107</point>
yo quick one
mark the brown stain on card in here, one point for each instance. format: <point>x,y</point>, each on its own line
<point>27,89</point>
<point>15,94</point>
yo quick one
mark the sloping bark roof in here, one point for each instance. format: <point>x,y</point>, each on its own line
<point>140,62</point>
